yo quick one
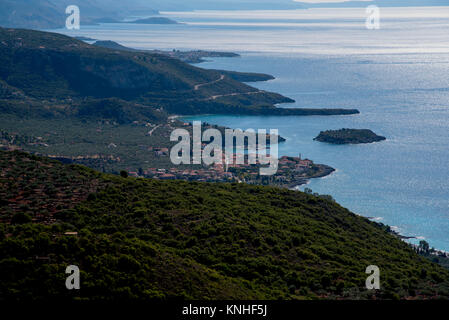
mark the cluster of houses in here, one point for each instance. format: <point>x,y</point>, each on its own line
<point>159,152</point>
<point>15,139</point>
<point>229,171</point>
<point>296,164</point>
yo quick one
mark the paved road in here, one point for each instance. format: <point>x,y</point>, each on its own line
<point>152,130</point>
<point>208,83</point>
<point>233,94</point>
<point>224,95</point>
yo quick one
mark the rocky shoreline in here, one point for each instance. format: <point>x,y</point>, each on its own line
<point>323,171</point>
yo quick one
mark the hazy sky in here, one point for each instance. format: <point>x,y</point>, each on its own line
<point>325,1</point>
<point>389,3</point>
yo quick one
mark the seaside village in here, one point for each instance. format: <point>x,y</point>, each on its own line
<point>291,171</point>
<point>289,168</point>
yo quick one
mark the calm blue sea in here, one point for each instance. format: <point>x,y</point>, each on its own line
<point>398,77</point>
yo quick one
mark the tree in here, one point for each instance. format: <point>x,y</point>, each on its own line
<point>21,218</point>
<point>124,174</point>
<point>308,190</point>
<point>423,246</point>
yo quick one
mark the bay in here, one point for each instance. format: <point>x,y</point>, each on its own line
<point>398,77</point>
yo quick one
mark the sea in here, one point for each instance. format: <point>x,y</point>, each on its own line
<point>397,76</point>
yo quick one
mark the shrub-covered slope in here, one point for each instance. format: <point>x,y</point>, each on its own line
<point>54,68</point>
<point>141,239</point>
<point>51,66</point>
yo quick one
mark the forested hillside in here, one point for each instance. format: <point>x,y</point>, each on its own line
<point>147,239</point>
<point>59,70</point>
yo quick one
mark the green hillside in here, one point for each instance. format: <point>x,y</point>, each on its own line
<point>146,239</point>
<point>52,66</point>
<point>57,69</point>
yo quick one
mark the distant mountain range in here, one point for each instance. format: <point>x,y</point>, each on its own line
<point>50,14</point>
<point>177,5</point>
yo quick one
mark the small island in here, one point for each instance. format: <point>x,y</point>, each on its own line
<point>348,136</point>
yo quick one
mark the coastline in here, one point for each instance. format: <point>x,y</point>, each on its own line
<point>303,181</point>
<point>257,108</point>
<point>324,171</point>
